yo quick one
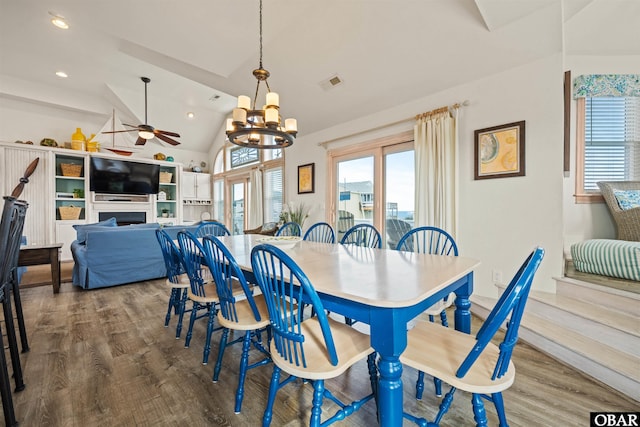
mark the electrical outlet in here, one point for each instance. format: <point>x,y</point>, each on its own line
<point>497,276</point>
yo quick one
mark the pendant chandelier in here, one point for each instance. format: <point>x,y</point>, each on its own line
<point>260,128</point>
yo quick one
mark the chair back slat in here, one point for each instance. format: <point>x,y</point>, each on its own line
<point>320,232</point>
<point>428,240</point>
<point>289,229</point>
<point>362,235</point>
<point>192,258</point>
<point>286,287</point>
<point>171,255</point>
<point>226,272</point>
<point>510,306</point>
<point>212,228</point>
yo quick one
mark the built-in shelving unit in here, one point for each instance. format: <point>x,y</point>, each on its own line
<point>167,207</point>
<point>70,187</point>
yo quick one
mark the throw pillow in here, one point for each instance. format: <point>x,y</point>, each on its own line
<point>627,199</point>
<point>81,229</point>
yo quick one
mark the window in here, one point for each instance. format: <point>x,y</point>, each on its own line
<point>272,184</point>
<point>608,131</point>
<point>373,183</point>
<point>232,170</point>
<point>242,156</point>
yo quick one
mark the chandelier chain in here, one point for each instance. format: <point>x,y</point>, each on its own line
<point>256,127</point>
<point>260,33</point>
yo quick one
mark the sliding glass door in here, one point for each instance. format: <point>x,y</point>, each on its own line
<point>355,193</point>
<point>374,185</point>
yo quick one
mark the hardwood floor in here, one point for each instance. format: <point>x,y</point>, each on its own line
<point>103,358</point>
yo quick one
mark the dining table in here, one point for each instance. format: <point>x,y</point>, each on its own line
<point>382,288</point>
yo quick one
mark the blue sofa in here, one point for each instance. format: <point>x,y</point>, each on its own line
<point>107,255</point>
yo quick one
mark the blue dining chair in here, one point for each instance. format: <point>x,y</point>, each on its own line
<point>320,232</point>
<point>289,229</point>
<point>474,364</point>
<point>362,235</point>
<point>202,290</point>
<point>434,241</point>
<point>212,228</point>
<point>316,348</point>
<point>177,279</point>
<point>240,311</point>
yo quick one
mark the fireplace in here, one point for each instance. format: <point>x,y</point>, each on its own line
<point>124,218</point>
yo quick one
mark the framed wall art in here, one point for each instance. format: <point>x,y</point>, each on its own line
<point>306,178</point>
<point>499,151</point>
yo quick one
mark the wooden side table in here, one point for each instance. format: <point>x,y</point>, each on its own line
<point>43,254</point>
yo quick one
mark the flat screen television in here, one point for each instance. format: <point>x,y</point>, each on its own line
<point>113,176</point>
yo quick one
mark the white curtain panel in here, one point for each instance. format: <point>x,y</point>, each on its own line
<point>436,141</point>
<point>255,199</point>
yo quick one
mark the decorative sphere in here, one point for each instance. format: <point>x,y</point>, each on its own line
<point>169,159</point>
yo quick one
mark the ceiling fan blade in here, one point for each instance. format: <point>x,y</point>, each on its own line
<point>132,126</point>
<point>166,132</point>
<point>167,139</point>
<point>120,131</point>
<point>141,141</point>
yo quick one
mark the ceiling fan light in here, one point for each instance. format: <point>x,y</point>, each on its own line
<point>59,21</point>
<point>145,134</point>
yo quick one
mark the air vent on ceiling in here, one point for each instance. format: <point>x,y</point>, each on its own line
<point>214,98</point>
<point>331,82</point>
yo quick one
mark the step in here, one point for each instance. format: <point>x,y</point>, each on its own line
<point>606,324</point>
<point>618,368</point>
<point>601,295</point>
<point>615,368</point>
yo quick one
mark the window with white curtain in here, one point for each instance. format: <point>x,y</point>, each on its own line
<point>608,143</point>
<point>233,164</point>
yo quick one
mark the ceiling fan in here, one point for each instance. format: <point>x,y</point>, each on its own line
<point>146,131</point>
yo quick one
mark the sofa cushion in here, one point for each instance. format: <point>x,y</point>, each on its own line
<point>627,199</point>
<point>81,229</point>
<point>144,225</point>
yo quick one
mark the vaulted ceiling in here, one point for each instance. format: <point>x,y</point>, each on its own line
<point>199,54</point>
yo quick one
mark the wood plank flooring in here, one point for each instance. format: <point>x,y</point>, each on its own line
<point>103,358</point>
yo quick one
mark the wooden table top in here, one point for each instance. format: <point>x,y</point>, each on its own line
<point>34,247</point>
<point>376,277</point>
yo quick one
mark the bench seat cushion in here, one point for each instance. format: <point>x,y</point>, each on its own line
<point>613,258</point>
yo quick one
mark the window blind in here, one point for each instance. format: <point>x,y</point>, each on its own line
<point>272,194</point>
<point>612,140</point>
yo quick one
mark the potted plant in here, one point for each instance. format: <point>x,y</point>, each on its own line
<point>165,213</point>
<point>294,213</point>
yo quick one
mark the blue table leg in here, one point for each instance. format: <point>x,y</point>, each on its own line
<point>389,339</point>
<point>462,313</point>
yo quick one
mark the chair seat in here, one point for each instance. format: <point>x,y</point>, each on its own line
<point>246,319</point>
<point>211,293</point>
<point>437,308</point>
<point>439,351</point>
<point>183,282</point>
<point>351,346</point>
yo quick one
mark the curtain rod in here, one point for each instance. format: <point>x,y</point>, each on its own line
<point>416,117</point>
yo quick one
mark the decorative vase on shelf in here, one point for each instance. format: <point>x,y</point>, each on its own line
<point>78,140</point>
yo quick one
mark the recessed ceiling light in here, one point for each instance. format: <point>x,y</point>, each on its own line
<point>61,74</point>
<point>190,115</point>
<point>59,21</point>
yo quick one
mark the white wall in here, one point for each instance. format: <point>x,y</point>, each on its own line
<point>589,221</point>
<point>501,220</point>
